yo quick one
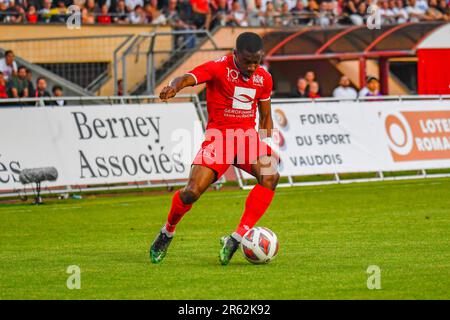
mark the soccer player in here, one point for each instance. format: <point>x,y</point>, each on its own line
<point>236,85</point>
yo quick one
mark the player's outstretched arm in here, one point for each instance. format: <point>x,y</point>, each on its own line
<point>176,85</point>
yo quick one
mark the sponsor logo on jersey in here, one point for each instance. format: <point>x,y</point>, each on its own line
<point>232,75</point>
<point>243,98</point>
<point>258,80</point>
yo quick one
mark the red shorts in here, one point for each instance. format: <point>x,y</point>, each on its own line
<point>238,147</point>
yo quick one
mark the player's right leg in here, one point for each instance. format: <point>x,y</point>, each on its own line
<point>200,178</point>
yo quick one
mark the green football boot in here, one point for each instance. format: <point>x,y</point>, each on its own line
<point>159,247</point>
<point>229,247</point>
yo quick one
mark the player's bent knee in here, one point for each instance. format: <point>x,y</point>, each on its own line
<point>270,181</point>
<point>190,194</point>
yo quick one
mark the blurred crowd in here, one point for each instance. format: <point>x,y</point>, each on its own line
<point>17,82</point>
<point>199,14</point>
<point>307,86</point>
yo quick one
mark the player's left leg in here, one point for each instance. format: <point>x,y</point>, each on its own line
<point>257,203</point>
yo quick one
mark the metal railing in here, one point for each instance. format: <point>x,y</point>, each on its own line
<point>157,60</point>
<point>79,60</point>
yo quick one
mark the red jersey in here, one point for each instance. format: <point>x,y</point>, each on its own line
<point>231,99</point>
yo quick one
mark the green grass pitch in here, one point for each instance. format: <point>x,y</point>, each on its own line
<point>328,235</point>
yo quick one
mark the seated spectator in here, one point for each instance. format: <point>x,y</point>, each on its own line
<point>104,17</point>
<point>41,88</point>
<point>238,17</point>
<point>44,13</point>
<point>18,86</point>
<point>386,13</point>
<point>155,15</point>
<point>30,81</point>
<point>3,89</point>
<point>138,16</point>
<point>444,8</point>
<point>415,11</point>
<point>301,89</point>
<point>121,13</point>
<point>59,14</point>
<point>286,15</point>
<point>299,13</point>
<point>344,90</point>
<point>220,13</point>
<point>15,12</point>
<point>8,65</point>
<point>310,77</point>
<point>271,15</point>
<point>255,15</point>
<point>312,10</point>
<point>173,17</point>
<point>58,92</point>
<point>372,88</point>
<point>314,90</point>
<point>399,10</point>
<point>32,16</point>
<point>433,14</point>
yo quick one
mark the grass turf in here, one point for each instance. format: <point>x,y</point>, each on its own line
<point>329,235</point>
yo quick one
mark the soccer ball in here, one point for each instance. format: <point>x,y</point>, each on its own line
<point>259,245</point>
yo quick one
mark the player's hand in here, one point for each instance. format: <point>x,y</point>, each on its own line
<point>167,93</point>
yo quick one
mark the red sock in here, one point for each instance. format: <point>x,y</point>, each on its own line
<point>258,201</point>
<point>176,212</point>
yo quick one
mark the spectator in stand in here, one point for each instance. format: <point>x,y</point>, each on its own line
<point>14,12</point>
<point>344,90</point>
<point>255,14</point>
<point>314,90</point>
<point>299,13</point>
<point>325,15</point>
<point>312,11</point>
<point>372,88</point>
<point>238,17</point>
<point>44,13</point>
<point>173,18</point>
<point>271,15</point>
<point>310,77</point>
<point>201,14</point>
<point>156,16</point>
<point>32,16</point>
<point>286,15</point>
<point>444,8</point>
<point>138,16</point>
<point>41,88</point>
<point>3,88</point>
<point>18,85</point>
<point>58,92</point>
<point>8,65</point>
<point>386,13</point>
<point>122,13</point>
<point>104,17</point>
<point>415,11</point>
<point>30,81</point>
<point>220,13</point>
<point>301,89</point>
<point>433,14</point>
<point>400,13</point>
<point>59,14</point>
